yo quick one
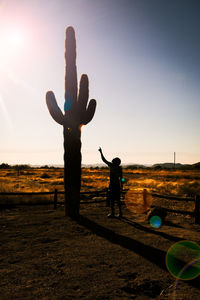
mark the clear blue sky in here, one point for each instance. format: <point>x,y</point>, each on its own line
<point>142,58</point>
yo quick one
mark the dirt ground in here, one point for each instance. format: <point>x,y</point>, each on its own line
<point>45,255</point>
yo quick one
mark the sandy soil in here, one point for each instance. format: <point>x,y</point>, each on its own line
<point>45,255</point>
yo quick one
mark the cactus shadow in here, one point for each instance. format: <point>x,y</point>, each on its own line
<point>154,255</point>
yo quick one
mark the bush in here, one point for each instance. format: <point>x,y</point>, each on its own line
<point>131,167</point>
<point>5,166</point>
<point>190,189</point>
<point>45,175</point>
<point>21,167</point>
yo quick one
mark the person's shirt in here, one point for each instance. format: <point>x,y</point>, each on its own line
<point>115,175</point>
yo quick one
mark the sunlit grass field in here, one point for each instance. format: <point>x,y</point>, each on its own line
<point>179,182</point>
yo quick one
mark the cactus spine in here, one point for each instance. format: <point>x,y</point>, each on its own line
<point>77,113</point>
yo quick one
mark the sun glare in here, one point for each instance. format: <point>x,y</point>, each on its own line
<point>13,42</point>
<point>15,39</point>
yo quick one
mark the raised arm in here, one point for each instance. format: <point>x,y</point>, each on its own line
<point>103,158</point>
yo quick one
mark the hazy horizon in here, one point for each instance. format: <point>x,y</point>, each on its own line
<point>143,63</point>
<point>99,165</point>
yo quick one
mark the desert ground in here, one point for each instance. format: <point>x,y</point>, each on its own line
<point>45,255</point>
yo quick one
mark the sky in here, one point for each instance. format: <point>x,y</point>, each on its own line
<point>142,58</point>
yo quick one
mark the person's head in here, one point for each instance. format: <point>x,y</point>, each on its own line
<point>116,161</point>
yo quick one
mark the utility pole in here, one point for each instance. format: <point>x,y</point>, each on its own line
<point>174,159</point>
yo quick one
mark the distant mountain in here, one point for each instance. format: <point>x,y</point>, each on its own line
<point>167,165</point>
<point>196,166</point>
<point>177,166</point>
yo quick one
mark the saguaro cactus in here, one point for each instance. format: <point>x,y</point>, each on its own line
<point>77,113</point>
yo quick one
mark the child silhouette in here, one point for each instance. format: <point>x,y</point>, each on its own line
<point>115,185</point>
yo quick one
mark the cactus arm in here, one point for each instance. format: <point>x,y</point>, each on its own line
<point>53,108</point>
<point>89,112</point>
<point>86,113</point>
<point>83,94</point>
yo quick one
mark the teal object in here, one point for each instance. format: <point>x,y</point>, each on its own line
<point>68,101</point>
<point>123,180</point>
<point>155,222</point>
<point>67,105</point>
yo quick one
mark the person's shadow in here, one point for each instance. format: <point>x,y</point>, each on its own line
<point>149,230</point>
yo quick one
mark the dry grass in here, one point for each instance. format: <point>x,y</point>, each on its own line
<point>26,181</point>
<point>186,183</point>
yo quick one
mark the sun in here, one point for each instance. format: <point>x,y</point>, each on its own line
<point>15,39</point>
<point>13,45</point>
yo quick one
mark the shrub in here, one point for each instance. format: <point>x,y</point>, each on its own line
<point>190,189</point>
<point>45,175</point>
<point>44,167</point>
<point>5,166</point>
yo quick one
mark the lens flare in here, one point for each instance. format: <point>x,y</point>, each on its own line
<point>68,101</point>
<point>155,222</point>
<point>138,201</point>
<point>195,261</point>
<point>179,258</point>
<point>67,105</point>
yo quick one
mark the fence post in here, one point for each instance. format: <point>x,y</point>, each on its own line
<point>55,198</point>
<point>196,211</point>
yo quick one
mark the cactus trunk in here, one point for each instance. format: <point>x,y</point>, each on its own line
<point>72,174</point>
<point>72,136</point>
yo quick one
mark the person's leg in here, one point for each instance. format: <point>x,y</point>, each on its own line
<point>112,205</point>
<point>108,198</point>
<point>119,204</point>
